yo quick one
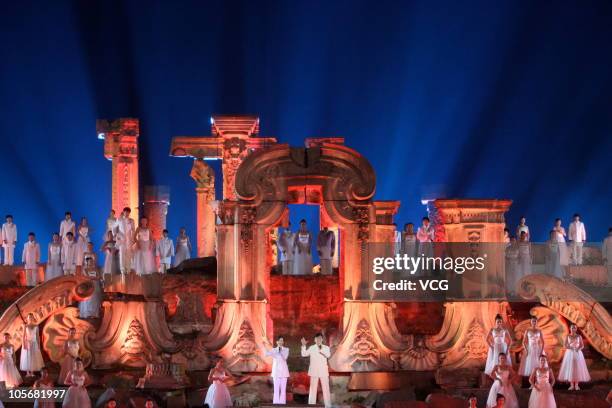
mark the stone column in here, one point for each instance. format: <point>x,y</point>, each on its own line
<point>121,148</point>
<point>156,202</point>
<point>204,177</point>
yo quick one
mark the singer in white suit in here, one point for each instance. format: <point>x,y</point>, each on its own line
<point>280,371</point>
<point>31,258</point>
<point>317,370</point>
<point>9,240</point>
<point>577,234</point>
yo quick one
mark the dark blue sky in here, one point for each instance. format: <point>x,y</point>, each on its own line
<point>457,99</point>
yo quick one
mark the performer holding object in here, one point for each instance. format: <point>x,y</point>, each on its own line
<point>318,370</point>
<point>280,371</point>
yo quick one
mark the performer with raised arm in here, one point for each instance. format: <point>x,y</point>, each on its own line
<point>218,395</point>
<point>499,342</point>
<point>542,381</point>
<point>164,249</point>
<point>522,227</point>
<point>302,264</point>
<point>573,367</point>
<point>31,258</point>
<point>280,371</point>
<point>286,245</point>
<point>31,358</point>
<point>577,234</point>
<point>317,369</point>
<point>54,258</point>
<point>125,240</point>
<point>9,240</point>
<point>502,375</point>
<point>66,226</point>
<point>69,250</point>
<point>326,245</point>
<point>533,346</point>
<point>183,247</point>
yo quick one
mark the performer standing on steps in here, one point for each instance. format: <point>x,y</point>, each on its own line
<point>280,371</point>
<point>317,370</point>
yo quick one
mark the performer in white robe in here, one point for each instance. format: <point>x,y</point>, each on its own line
<point>409,240</point>
<point>125,240</point>
<point>9,240</point>
<point>111,223</point>
<point>512,266</point>
<point>542,381</point>
<point>31,258</point>
<point>522,227</point>
<point>82,241</point>
<point>111,257</point>
<point>31,358</point>
<point>91,307</point>
<point>144,258</point>
<point>286,246</point>
<point>183,247</point>
<point>577,234</point>
<point>69,253</point>
<point>553,257</point>
<point>573,367</point>
<point>77,379</point>
<point>502,375</point>
<point>280,371</point>
<point>524,250</point>
<point>54,258</point>
<point>326,244</point>
<point>425,236</point>
<point>8,370</point>
<point>218,395</point>
<point>302,256</point>
<point>533,346</point>
<point>499,341</point>
<point>560,235</point>
<point>67,225</point>
<point>318,370</point>
<point>606,253</point>
<point>164,249</point>
<point>71,353</point>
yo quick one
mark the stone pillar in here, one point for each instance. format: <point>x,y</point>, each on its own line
<point>462,340</point>
<point>204,177</point>
<point>156,202</point>
<point>121,148</point>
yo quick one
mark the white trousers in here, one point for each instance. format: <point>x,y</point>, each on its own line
<point>280,390</point>
<point>577,252</point>
<point>31,277</point>
<point>314,387</point>
<point>9,255</point>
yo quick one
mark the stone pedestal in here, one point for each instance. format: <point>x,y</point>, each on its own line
<point>121,148</point>
<point>156,202</point>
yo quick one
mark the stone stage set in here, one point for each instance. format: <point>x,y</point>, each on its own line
<point>159,334</point>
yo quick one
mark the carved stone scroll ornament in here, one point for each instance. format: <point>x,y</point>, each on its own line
<point>202,174</point>
<point>43,301</point>
<point>55,334</point>
<point>575,305</point>
<point>553,329</point>
<point>364,352</point>
<point>247,217</point>
<point>245,353</point>
<point>417,357</point>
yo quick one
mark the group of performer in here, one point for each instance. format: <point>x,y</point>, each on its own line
<point>218,395</point>
<point>296,254</point>
<point>533,365</point>
<point>127,247</point>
